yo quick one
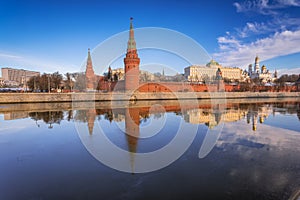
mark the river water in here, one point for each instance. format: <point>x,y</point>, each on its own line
<point>233,149</point>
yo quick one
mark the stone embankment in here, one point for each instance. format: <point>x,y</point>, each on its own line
<point>81,97</point>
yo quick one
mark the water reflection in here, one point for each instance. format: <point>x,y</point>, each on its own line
<point>254,113</point>
<point>49,117</point>
<point>255,157</point>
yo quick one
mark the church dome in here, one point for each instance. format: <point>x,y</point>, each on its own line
<point>256,59</point>
<point>212,63</point>
<point>263,67</point>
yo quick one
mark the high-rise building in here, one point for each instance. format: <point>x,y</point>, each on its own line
<point>131,63</point>
<point>89,74</point>
<point>20,76</point>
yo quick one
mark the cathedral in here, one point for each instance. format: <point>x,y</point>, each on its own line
<point>262,73</point>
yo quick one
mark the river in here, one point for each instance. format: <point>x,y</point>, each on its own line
<point>151,149</point>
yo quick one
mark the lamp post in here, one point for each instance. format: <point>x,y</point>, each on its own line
<point>48,83</point>
<point>25,81</point>
<point>34,84</point>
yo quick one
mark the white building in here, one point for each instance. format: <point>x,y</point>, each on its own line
<point>263,74</point>
<point>196,73</point>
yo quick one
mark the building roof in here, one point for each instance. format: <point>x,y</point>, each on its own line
<point>212,63</point>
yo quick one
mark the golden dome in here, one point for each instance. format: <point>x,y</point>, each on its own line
<point>256,59</point>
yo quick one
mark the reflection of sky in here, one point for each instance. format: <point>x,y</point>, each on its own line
<point>153,136</point>
<point>287,121</point>
<point>13,126</point>
<point>278,137</point>
<point>264,162</point>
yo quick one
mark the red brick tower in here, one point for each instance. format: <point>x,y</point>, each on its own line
<point>131,62</point>
<point>89,73</point>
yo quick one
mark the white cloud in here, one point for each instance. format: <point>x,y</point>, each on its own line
<point>265,7</point>
<point>289,71</point>
<point>9,56</point>
<point>279,44</point>
<point>254,28</point>
<point>260,6</point>
<point>289,2</point>
<point>36,64</point>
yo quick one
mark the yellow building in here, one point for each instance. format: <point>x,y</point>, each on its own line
<point>206,116</point>
<point>197,73</point>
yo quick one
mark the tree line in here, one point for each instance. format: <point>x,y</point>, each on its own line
<point>54,81</point>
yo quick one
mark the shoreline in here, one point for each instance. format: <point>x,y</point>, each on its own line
<point>183,104</point>
<point>8,98</point>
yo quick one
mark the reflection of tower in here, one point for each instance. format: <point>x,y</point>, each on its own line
<point>132,122</point>
<point>218,114</point>
<point>256,67</point>
<point>254,121</point>
<point>89,73</point>
<point>91,116</point>
<point>248,117</point>
<point>131,62</point>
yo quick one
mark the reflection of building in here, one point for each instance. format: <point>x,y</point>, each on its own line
<point>256,113</point>
<point>20,76</point>
<point>91,116</point>
<point>15,115</point>
<point>132,127</point>
<point>131,62</point>
<point>197,73</point>
<point>132,122</point>
<point>206,116</point>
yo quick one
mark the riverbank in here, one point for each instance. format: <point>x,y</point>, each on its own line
<point>82,97</point>
<point>184,104</point>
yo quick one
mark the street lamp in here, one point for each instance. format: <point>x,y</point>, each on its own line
<point>34,84</point>
<point>48,83</point>
<point>25,81</point>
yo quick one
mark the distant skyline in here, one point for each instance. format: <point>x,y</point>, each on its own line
<point>50,36</point>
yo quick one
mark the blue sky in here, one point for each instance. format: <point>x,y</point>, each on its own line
<point>54,35</point>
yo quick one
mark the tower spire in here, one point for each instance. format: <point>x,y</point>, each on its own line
<point>131,62</point>
<point>89,73</point>
<point>89,59</point>
<point>131,45</point>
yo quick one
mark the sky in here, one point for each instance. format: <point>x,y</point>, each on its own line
<point>50,36</point>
